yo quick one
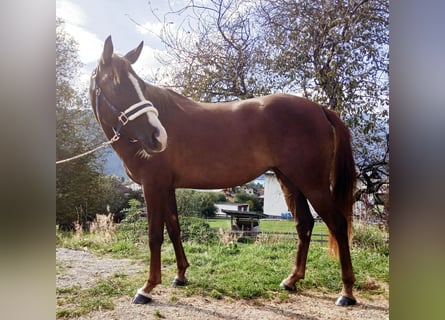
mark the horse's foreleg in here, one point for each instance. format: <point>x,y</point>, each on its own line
<point>304,224</point>
<point>155,239</point>
<point>174,232</point>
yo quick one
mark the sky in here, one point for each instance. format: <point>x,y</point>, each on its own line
<point>90,22</point>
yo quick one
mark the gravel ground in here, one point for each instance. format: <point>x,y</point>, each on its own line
<point>84,269</point>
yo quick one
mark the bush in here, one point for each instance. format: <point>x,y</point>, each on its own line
<point>192,203</point>
<point>197,230</point>
<point>135,229</point>
<point>132,227</point>
<point>370,237</point>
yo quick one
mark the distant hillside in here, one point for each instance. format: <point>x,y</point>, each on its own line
<point>113,166</point>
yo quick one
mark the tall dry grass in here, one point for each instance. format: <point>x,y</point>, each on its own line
<point>102,230</point>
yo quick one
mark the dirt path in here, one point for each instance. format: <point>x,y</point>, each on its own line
<point>85,269</point>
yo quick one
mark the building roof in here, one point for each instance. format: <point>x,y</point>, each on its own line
<point>244,214</point>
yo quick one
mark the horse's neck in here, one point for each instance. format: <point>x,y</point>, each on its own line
<point>164,98</point>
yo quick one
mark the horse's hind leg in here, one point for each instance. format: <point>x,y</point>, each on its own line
<point>304,222</point>
<point>338,227</point>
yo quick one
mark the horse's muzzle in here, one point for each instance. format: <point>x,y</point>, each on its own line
<point>156,142</point>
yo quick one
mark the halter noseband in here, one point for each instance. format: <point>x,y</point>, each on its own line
<point>123,117</point>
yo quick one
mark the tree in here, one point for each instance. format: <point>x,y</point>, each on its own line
<point>255,203</point>
<point>333,52</point>
<point>336,53</point>
<point>218,51</point>
<point>192,203</point>
<point>116,196</point>
<point>78,187</point>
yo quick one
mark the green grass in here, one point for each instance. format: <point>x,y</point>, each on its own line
<point>257,270</point>
<point>268,225</point>
<point>75,301</point>
<point>218,270</point>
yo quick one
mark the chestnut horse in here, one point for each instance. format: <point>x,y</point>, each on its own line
<point>167,141</point>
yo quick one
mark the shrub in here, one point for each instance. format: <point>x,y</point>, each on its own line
<point>132,227</point>
<point>197,204</point>
<point>197,230</point>
<point>370,237</point>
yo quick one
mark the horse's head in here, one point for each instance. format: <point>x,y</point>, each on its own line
<point>118,100</point>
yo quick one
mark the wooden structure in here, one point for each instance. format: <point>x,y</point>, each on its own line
<point>244,220</point>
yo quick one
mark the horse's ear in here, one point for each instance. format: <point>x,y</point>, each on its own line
<point>108,51</point>
<point>133,55</point>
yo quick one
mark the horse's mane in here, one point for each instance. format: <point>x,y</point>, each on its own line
<point>163,97</point>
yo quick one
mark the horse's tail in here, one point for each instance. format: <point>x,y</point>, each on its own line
<point>343,175</point>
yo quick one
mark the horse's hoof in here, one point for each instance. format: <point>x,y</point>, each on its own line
<point>286,287</point>
<point>179,283</point>
<point>140,299</point>
<point>344,301</point>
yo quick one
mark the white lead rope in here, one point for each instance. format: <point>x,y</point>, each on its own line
<point>104,144</point>
<point>124,119</point>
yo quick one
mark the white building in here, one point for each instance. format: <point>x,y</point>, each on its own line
<point>274,203</point>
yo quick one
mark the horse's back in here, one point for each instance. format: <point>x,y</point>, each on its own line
<point>296,115</point>
<point>290,104</point>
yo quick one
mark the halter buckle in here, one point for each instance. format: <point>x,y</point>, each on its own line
<point>123,118</point>
<point>116,136</point>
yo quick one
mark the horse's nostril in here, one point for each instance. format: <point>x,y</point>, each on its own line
<point>154,138</point>
<point>156,133</point>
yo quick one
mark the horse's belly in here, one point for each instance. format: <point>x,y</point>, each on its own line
<point>223,173</point>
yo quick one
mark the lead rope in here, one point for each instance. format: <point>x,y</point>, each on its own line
<point>104,144</point>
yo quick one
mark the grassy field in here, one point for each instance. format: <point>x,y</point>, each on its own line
<point>221,269</point>
<point>269,225</point>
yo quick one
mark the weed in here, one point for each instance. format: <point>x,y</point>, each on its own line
<point>283,295</point>
<point>103,224</point>
<point>216,294</point>
<point>232,248</point>
<point>158,314</point>
<point>226,236</point>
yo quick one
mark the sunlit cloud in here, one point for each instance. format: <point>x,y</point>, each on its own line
<point>75,19</point>
<point>70,12</point>
<point>150,28</point>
